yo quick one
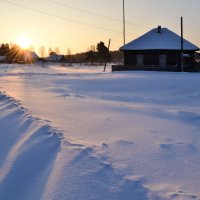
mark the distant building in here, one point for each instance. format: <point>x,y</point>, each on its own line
<point>3,59</point>
<point>31,57</point>
<point>158,49</point>
<point>53,57</point>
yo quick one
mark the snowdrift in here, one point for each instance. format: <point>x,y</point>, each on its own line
<point>38,163</point>
<point>28,151</point>
<point>73,133</point>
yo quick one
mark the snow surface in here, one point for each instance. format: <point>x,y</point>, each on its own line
<point>73,133</point>
<point>166,40</point>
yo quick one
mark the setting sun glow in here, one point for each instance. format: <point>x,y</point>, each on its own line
<point>24,42</point>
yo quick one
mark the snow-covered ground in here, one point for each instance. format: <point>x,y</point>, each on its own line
<point>72,133</point>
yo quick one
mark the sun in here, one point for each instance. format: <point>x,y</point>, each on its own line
<point>24,42</point>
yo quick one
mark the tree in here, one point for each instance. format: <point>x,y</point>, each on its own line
<point>69,54</point>
<point>53,53</point>
<point>15,54</point>
<point>91,56</point>
<point>42,51</point>
<point>50,50</point>
<point>91,48</point>
<point>103,52</point>
<point>31,48</point>
<point>4,49</point>
<point>57,50</point>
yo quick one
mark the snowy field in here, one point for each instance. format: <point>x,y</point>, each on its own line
<point>76,133</point>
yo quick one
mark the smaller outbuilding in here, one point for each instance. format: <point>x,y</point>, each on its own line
<point>158,49</point>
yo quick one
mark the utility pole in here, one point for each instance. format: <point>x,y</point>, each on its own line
<point>182,44</point>
<point>124,23</point>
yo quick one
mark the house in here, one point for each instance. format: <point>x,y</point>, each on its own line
<point>30,57</point>
<point>158,49</point>
<point>53,57</point>
<point>3,59</point>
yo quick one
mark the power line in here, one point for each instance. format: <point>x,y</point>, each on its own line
<point>59,17</point>
<point>95,14</point>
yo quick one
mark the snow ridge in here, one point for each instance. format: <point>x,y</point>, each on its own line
<point>36,162</point>
<point>32,164</point>
<point>29,147</point>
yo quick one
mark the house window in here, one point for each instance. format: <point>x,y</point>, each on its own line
<point>140,59</point>
<point>163,59</point>
<point>187,60</point>
<point>172,59</point>
<point>151,59</point>
<point>131,59</point>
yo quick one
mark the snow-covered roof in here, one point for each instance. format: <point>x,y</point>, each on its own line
<point>55,57</point>
<point>155,40</point>
<point>31,55</point>
<point>34,55</point>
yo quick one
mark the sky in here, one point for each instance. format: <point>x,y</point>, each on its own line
<point>78,24</point>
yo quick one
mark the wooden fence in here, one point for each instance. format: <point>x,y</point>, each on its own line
<point>149,68</point>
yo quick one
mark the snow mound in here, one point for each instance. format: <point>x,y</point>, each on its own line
<point>28,150</point>
<point>127,135</point>
<point>86,176</point>
<point>38,163</point>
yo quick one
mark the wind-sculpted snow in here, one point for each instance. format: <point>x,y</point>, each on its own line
<point>73,133</point>
<point>85,176</point>
<point>36,162</point>
<point>28,151</point>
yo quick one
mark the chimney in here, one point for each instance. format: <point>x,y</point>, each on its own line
<point>159,29</point>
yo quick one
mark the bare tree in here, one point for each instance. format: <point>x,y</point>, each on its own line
<point>50,50</point>
<point>91,54</point>
<point>42,51</point>
<point>57,50</point>
<point>31,48</point>
<point>91,48</point>
<point>11,44</point>
<point>69,54</point>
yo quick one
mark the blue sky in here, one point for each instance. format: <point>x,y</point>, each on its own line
<point>70,26</point>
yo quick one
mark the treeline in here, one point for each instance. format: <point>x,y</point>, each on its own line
<point>98,54</point>
<point>12,53</point>
<point>95,54</point>
<point>115,57</point>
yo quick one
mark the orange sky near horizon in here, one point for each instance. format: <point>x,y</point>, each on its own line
<point>78,24</point>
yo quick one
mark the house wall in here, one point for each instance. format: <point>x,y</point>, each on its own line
<point>155,58</point>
